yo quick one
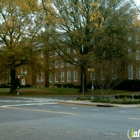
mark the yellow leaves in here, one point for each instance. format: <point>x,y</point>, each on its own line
<point>137,23</point>
<point>94,4</point>
<point>79,5</point>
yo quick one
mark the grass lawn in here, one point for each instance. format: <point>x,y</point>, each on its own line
<point>57,91</point>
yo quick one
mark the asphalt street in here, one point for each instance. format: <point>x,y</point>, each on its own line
<point>45,119</point>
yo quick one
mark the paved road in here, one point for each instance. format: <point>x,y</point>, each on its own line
<point>44,119</point>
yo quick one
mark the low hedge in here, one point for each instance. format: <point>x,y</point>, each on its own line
<point>131,85</point>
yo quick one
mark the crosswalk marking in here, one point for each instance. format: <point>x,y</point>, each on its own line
<point>28,104</point>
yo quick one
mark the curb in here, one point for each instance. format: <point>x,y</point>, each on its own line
<point>97,104</point>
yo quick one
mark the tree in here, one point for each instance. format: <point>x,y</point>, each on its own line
<point>83,24</point>
<point>19,27</point>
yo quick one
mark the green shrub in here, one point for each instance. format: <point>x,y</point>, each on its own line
<point>131,85</point>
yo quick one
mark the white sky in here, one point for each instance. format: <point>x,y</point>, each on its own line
<point>137,2</point>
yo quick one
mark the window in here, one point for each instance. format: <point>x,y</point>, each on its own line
<point>68,50</point>
<point>40,77</point>
<point>23,82</point>
<point>50,78</point>
<point>137,55</point>
<point>74,51</point>
<point>68,64</point>
<point>138,73</point>
<point>62,52</point>
<point>130,72</point>
<point>68,76</point>
<point>129,53</point>
<point>75,61</point>
<point>41,55</point>
<point>137,39</point>
<point>23,71</point>
<point>75,76</point>
<point>50,65</point>
<point>62,64</point>
<point>62,76</point>
<point>56,77</point>
<point>56,64</point>
<point>56,53</point>
<point>130,38</point>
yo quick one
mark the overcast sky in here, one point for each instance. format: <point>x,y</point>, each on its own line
<point>137,2</point>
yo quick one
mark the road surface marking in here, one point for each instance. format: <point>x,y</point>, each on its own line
<point>94,115</point>
<point>73,108</point>
<point>28,104</point>
<point>134,119</point>
<point>37,110</point>
<point>55,106</point>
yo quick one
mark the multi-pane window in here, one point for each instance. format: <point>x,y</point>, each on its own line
<point>137,39</point>
<point>50,65</point>
<point>62,52</point>
<point>137,55</point>
<point>50,78</point>
<point>56,64</point>
<point>62,64</point>
<point>138,73</point>
<point>56,53</point>
<point>68,76</point>
<point>130,72</point>
<point>74,51</point>
<point>129,53</point>
<point>130,38</point>
<point>68,50</point>
<point>40,77</point>
<point>56,77</point>
<point>75,76</point>
<point>75,61</point>
<point>62,76</point>
<point>23,82</point>
<point>68,64</point>
<point>23,71</point>
<point>41,55</point>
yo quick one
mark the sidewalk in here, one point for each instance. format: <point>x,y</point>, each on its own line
<point>89,103</point>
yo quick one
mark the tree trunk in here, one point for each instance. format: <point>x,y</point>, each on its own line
<point>13,80</point>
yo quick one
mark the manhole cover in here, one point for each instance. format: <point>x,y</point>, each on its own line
<point>110,133</point>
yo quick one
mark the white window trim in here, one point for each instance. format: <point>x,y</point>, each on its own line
<point>68,64</point>
<point>56,77</point>
<point>75,76</point>
<point>138,73</point>
<point>62,64</point>
<point>68,76</point>
<point>56,64</point>
<point>50,78</point>
<point>62,76</point>
<point>68,50</point>
<point>56,53</point>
